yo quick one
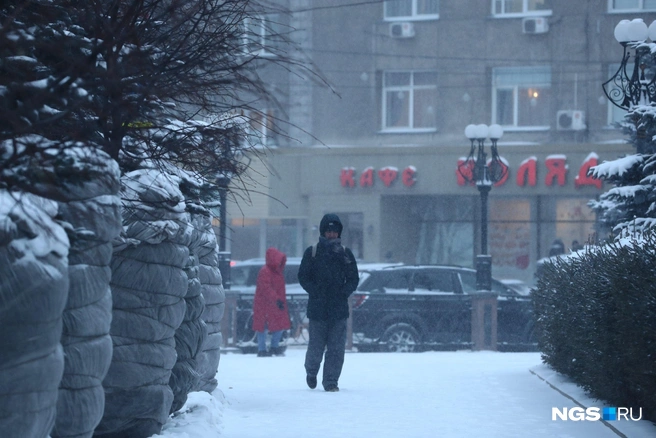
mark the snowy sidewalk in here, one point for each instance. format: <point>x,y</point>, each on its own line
<point>434,394</point>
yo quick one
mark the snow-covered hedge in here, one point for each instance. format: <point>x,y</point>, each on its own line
<point>91,211</point>
<point>33,293</point>
<point>148,286</point>
<point>596,320</point>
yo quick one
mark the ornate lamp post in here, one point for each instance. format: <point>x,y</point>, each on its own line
<point>223,181</point>
<point>634,83</point>
<point>476,169</point>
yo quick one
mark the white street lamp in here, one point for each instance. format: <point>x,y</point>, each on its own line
<point>476,169</point>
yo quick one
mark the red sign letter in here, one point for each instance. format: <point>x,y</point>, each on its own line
<point>346,178</point>
<point>556,169</point>
<point>367,177</point>
<point>583,179</point>
<point>408,176</point>
<point>387,175</point>
<point>527,170</point>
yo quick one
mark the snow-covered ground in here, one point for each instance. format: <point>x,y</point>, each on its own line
<point>389,395</point>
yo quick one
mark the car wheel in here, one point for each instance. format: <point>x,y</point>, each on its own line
<point>248,334</point>
<point>400,338</point>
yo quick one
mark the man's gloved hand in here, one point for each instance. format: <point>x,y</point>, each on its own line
<point>280,304</point>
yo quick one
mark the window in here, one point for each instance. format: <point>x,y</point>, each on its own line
<point>409,101</point>
<point>631,5</point>
<point>521,97</point>
<point>261,126</point>
<point>411,9</point>
<point>521,7</point>
<point>575,221</point>
<point>262,33</point>
<point>510,242</point>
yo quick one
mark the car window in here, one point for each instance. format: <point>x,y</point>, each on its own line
<point>469,284</point>
<point>246,275</point>
<point>434,281</point>
<point>385,280</point>
<point>241,275</point>
<point>468,280</point>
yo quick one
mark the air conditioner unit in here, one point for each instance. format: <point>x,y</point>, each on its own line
<point>535,25</point>
<point>570,120</point>
<point>402,30</point>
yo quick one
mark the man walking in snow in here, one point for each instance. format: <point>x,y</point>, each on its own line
<point>329,274</point>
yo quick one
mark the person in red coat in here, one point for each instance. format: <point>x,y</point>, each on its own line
<point>270,303</point>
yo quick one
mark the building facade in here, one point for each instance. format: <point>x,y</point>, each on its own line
<point>380,145</point>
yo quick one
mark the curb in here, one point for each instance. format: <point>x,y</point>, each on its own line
<point>606,423</point>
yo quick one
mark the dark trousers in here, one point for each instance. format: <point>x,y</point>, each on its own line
<point>328,336</point>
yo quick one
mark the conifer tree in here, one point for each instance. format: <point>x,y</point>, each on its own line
<point>629,207</point>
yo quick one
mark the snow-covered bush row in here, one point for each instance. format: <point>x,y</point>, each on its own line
<point>33,292</point>
<point>56,305</point>
<point>596,320</point>
<point>90,210</point>
<point>157,331</point>
<point>212,289</point>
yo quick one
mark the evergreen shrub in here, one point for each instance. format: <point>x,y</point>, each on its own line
<point>596,321</point>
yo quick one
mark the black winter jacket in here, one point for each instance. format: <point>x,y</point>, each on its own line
<point>329,278</point>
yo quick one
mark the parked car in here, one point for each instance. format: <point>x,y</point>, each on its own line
<point>518,286</point>
<point>417,308</point>
<point>244,278</point>
<point>243,275</point>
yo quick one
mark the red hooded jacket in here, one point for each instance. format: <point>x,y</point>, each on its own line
<point>270,289</point>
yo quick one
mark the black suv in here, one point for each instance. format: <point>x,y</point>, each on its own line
<point>428,307</point>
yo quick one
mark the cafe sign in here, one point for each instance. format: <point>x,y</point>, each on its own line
<point>554,168</point>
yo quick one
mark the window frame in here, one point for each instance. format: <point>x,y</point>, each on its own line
<point>262,37</point>
<point>525,12</point>
<point>411,89</point>
<point>640,8</point>
<point>414,16</point>
<point>261,124</point>
<point>515,89</point>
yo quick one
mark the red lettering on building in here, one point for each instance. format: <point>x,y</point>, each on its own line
<point>408,176</point>
<point>387,175</point>
<point>528,172</point>
<point>346,177</point>
<point>367,177</point>
<point>556,170</point>
<point>583,178</point>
